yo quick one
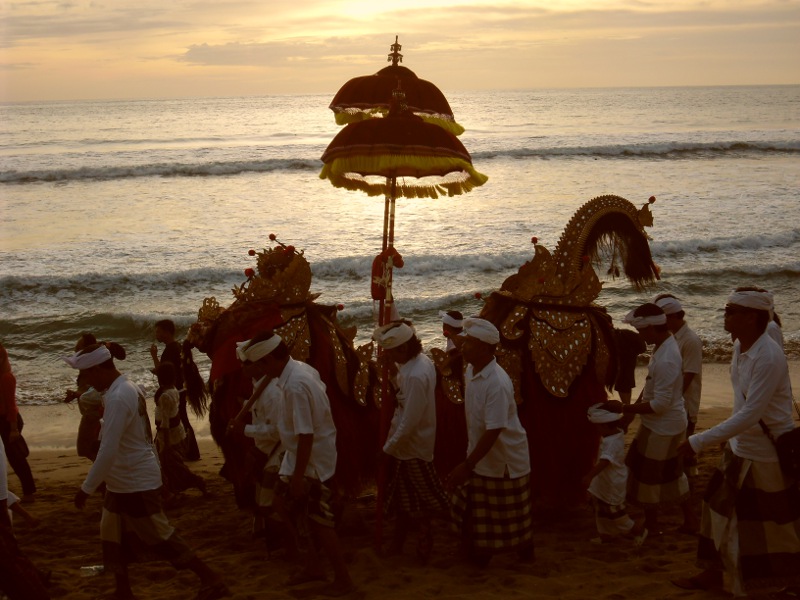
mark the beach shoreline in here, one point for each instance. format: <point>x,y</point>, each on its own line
<point>567,565</point>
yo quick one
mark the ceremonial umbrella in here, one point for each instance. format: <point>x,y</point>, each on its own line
<point>370,96</point>
<point>398,155</point>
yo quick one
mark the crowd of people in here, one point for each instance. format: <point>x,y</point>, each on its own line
<point>748,526</point>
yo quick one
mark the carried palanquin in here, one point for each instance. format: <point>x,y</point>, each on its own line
<point>557,345</point>
<point>276,295</point>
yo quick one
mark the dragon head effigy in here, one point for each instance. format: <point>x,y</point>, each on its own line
<point>548,305</point>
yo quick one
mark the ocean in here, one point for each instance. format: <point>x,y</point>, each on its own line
<point>115,214</point>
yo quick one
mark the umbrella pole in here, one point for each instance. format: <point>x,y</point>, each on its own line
<point>387,406</point>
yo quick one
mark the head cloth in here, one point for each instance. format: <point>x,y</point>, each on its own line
<point>753,299</point>
<point>481,329</point>
<point>87,360</point>
<point>448,320</point>
<point>393,334</point>
<point>669,305</point>
<point>248,352</point>
<point>642,322</point>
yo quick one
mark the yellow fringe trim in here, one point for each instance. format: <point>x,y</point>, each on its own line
<point>358,115</point>
<point>349,173</point>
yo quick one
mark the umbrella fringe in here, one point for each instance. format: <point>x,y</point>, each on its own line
<point>349,178</point>
<point>356,115</point>
<point>390,165</point>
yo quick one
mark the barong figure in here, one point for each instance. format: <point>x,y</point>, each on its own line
<point>127,462</point>
<point>414,492</point>
<point>492,486</point>
<point>557,345</point>
<point>656,478</point>
<point>751,509</point>
<point>276,296</point>
<point>308,434</point>
<point>607,481</point>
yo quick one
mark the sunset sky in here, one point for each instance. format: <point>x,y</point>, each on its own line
<point>77,49</point>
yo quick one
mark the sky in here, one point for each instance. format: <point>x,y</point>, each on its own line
<point>115,49</point>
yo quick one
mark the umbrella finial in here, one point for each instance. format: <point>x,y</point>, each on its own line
<point>395,57</point>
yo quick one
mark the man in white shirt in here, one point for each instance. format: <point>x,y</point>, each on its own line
<point>691,349</point>
<point>751,509</point>
<point>308,435</point>
<point>414,491</point>
<point>127,462</point>
<point>492,492</point>
<point>264,405</point>
<point>656,475</point>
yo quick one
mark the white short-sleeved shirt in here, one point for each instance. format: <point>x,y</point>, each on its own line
<point>611,483</point>
<point>305,409</point>
<point>691,349</point>
<point>412,433</point>
<point>126,460</point>
<point>266,412</point>
<point>663,389</point>
<point>761,390</point>
<point>489,404</point>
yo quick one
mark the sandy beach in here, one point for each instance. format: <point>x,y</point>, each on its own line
<point>567,565</point>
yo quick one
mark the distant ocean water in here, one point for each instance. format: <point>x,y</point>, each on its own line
<point>115,214</point>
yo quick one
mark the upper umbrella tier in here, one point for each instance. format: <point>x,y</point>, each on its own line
<point>370,96</point>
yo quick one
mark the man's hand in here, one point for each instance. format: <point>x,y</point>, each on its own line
<point>80,499</point>
<point>154,351</point>
<point>457,476</point>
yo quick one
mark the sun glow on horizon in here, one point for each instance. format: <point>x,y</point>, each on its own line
<point>151,49</point>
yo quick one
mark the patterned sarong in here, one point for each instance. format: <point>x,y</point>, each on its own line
<point>317,505</point>
<point>415,489</point>
<point>494,514</point>
<point>134,525</point>
<point>655,476</point>
<point>750,524</point>
<point>611,519</point>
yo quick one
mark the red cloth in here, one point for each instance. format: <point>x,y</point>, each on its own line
<point>8,397</point>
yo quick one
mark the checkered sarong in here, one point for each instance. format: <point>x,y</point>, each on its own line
<point>611,519</point>
<point>751,524</point>
<point>655,475</point>
<point>134,526</point>
<point>414,488</point>
<point>493,513</point>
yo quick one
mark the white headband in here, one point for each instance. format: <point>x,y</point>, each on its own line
<point>448,320</point>
<point>392,335</point>
<point>89,359</point>
<point>669,305</point>
<point>642,322</point>
<point>246,351</point>
<point>753,299</point>
<point>601,415</point>
<point>481,329</point>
